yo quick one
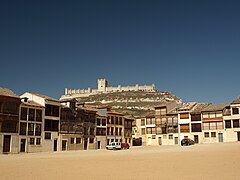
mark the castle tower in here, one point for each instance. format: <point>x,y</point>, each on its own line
<point>102,84</point>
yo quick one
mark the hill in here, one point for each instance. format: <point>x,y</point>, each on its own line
<point>135,103</point>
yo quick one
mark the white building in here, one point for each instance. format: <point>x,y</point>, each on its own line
<point>231,122</point>
<point>51,122</point>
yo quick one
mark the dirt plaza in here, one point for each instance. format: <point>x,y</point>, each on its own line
<point>205,161</point>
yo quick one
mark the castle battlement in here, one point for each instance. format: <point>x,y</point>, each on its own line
<point>104,88</point>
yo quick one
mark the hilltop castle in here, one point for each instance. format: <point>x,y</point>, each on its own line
<point>104,88</point>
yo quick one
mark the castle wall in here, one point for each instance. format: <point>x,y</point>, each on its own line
<point>103,88</point>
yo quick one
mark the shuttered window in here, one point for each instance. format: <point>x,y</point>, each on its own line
<point>184,115</point>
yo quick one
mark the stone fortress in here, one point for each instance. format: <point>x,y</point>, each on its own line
<point>104,88</point>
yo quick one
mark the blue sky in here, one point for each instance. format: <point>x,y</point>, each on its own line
<point>189,48</point>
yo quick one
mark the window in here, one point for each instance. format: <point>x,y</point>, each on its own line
<point>153,136</point>
<point>116,120</point>
<point>164,121</point>
<point>78,140</point>
<point>228,124</point>
<point>206,126</point>
<point>184,115</point>
<point>196,127</point>
<point>163,111</point>
<point>143,131</point>
<point>51,125</point>
<point>32,140</point>
<point>212,115</point>
<point>103,122</point>
<point>184,128</point>
<point>120,120</point>
<point>91,131</point>
<point>195,117</point>
<point>120,131</point>
<point>72,140</point>
<point>30,129</point>
<point>158,130</point>
<point>149,121</point>
<point>9,126</point>
<point>108,120</point>
<point>205,115</point>
<point>31,114</point>
<point>151,130</point>
<point>91,140</point>
<point>85,131</point>
<point>142,122</point>
<point>38,115</point>
<point>112,130</point>
<point>158,121</point>
<point>213,134</point>
<point>206,134</point>
<point>164,136</point>
<point>112,120</point>
<point>10,108</point>
<point>47,135</point>
<point>51,110</point>
<point>23,113</point>
<point>38,141</point>
<point>236,123</point>
<point>23,128</point>
<point>170,121</point>
<point>213,125</point>
<point>98,121</point>
<point>220,125</point>
<point>170,136</point>
<point>38,128</point>
<point>235,110</point>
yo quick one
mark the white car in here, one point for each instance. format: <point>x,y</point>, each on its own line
<point>114,146</point>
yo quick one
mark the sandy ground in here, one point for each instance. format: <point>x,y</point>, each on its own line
<point>207,161</point>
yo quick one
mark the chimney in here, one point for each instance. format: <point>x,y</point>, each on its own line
<point>25,99</point>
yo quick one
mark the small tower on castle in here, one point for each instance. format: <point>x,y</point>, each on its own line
<point>102,85</point>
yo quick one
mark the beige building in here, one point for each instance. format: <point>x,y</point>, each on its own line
<point>51,123</point>
<point>115,127</point>
<point>167,124</point>
<point>212,123</point>
<point>190,121</point>
<point>31,126</point>
<point>231,122</point>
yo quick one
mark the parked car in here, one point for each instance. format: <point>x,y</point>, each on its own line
<point>187,142</point>
<point>114,146</point>
<point>124,145</point>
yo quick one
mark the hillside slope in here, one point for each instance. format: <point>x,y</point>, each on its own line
<point>135,103</point>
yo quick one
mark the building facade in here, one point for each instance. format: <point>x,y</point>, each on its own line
<point>31,126</point>
<point>9,121</point>
<point>51,120</point>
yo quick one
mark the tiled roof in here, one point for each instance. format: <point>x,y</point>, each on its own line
<point>187,106</point>
<point>198,107</point>
<point>115,113</point>
<point>215,107</point>
<point>7,92</point>
<point>237,101</point>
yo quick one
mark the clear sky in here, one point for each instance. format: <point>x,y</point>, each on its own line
<point>190,48</point>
